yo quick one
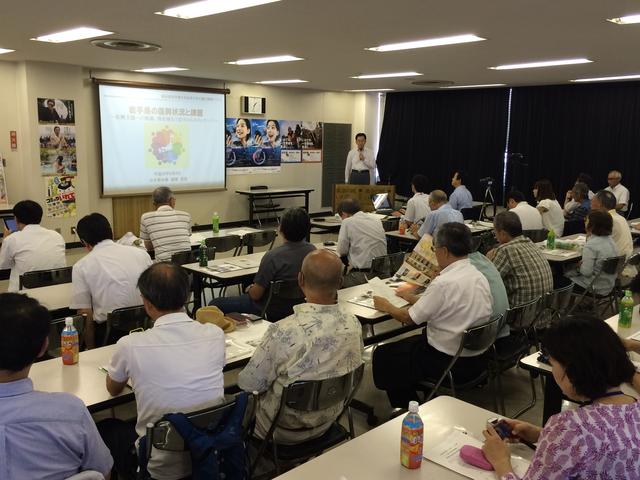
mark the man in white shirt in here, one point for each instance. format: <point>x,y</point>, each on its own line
<point>620,191</point>
<point>106,278</point>
<point>361,164</point>
<point>176,366</point>
<point>166,231</point>
<point>461,197</point>
<point>455,300</point>
<point>529,216</point>
<point>418,205</point>
<point>320,340</point>
<point>31,247</point>
<point>361,239</point>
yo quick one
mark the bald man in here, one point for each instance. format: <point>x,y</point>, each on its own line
<point>441,213</point>
<point>320,340</point>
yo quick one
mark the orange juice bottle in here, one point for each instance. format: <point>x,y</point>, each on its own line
<point>412,438</point>
<point>69,342</point>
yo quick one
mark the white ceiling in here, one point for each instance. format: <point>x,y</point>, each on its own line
<point>332,35</point>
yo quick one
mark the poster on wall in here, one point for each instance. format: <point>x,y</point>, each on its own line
<point>311,141</point>
<point>60,199</point>
<point>55,110</point>
<point>57,149</point>
<point>4,197</point>
<point>252,146</point>
<point>291,131</point>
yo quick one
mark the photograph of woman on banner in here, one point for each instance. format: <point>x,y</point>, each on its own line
<point>242,131</point>
<point>272,134</point>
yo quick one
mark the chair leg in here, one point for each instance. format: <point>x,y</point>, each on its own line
<point>534,398</point>
<point>275,457</point>
<point>453,386</point>
<point>352,431</point>
<point>494,391</point>
<point>500,391</point>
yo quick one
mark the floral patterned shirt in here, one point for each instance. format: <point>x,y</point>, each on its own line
<point>316,342</point>
<point>596,442</point>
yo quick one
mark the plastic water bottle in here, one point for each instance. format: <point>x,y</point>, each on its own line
<point>412,438</point>
<point>69,343</point>
<point>203,259</point>
<point>215,222</point>
<point>551,239</point>
<point>626,310</point>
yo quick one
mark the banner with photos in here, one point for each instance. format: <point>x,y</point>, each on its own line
<point>61,196</point>
<point>57,137</point>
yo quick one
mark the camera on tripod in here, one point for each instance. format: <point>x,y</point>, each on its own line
<point>486,182</point>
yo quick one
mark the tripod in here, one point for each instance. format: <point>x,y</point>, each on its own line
<point>488,195</point>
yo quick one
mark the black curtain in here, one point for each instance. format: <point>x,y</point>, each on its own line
<point>562,130</point>
<point>436,133</point>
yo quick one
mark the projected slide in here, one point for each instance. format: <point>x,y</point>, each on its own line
<point>153,137</point>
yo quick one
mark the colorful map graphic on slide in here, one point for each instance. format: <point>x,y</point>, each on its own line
<point>166,145</point>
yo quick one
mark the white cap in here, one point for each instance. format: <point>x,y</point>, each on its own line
<point>413,406</point>
<point>68,322</point>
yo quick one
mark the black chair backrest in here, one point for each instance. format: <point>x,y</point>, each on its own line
<point>45,278</point>
<point>282,297</point>
<point>613,265</point>
<point>313,395</point>
<point>558,300</point>
<point>628,212</point>
<point>225,243</point>
<point>475,243</point>
<point>471,213</point>
<point>192,256</point>
<point>128,318</point>
<point>390,224</point>
<point>55,330</point>
<point>634,260</point>
<point>572,227</point>
<point>481,337</point>
<point>386,266</point>
<point>522,316</point>
<point>487,242</point>
<point>536,235</point>
<point>259,239</point>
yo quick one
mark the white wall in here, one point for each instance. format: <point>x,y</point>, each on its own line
<point>22,82</point>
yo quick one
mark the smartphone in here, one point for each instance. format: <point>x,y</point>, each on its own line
<point>10,223</point>
<point>501,427</point>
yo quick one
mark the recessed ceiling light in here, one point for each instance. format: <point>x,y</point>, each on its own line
<point>160,69</point>
<point>257,61</point>
<point>273,82</point>
<point>210,7</point>
<point>5,50</point>
<point>79,33</point>
<point>428,42</point>
<point>626,20</point>
<point>546,63</point>
<point>371,90</point>
<point>387,75</point>
<point>477,86</point>
<point>604,79</point>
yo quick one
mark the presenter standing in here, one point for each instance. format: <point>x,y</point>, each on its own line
<point>361,164</point>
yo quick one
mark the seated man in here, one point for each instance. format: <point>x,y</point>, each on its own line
<point>42,435</point>
<point>361,239</point>
<point>32,247</point>
<point>281,263</point>
<point>418,205</point>
<point>580,195</point>
<point>530,217</point>
<point>605,201</point>
<point>525,272</point>
<point>499,297</point>
<point>176,366</point>
<point>455,300</point>
<point>441,213</point>
<point>320,340</point>
<point>620,191</point>
<point>460,197</point>
<point>166,231</point>
<point>569,203</point>
<point>105,279</point>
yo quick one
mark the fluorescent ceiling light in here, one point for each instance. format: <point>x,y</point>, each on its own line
<point>79,33</point>
<point>604,79</point>
<point>547,63</point>
<point>210,7</point>
<point>371,90</point>
<point>627,20</point>
<point>5,50</point>
<point>478,86</point>
<point>273,82</point>
<point>387,75</point>
<point>257,61</point>
<point>161,69</point>
<point>428,42</point>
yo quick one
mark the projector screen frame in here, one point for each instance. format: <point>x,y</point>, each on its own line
<point>155,86</point>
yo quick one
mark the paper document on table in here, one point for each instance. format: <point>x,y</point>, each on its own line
<point>235,350</point>
<point>244,262</point>
<point>446,452</point>
<point>240,231</point>
<point>104,370</point>
<point>382,289</point>
<point>560,253</point>
<point>635,336</point>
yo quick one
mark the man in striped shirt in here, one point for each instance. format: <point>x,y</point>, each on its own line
<point>165,230</point>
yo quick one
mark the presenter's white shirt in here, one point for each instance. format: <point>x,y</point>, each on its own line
<point>553,218</point>
<point>622,195</point>
<point>361,238</point>
<point>529,216</point>
<point>354,163</point>
<point>176,366</point>
<point>32,248</point>
<point>455,300</point>
<point>107,277</point>
<point>417,207</point>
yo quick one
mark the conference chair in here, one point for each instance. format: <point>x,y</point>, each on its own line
<point>572,227</point>
<point>265,205</point>
<point>628,212</point>
<point>226,243</point>
<point>385,266</point>
<point>193,256</point>
<point>471,213</point>
<point>121,321</point>
<point>478,338</point>
<point>487,241</point>
<point>610,266</point>
<point>622,282</point>
<point>258,239</point>
<point>536,235</point>
<point>390,224</point>
<point>554,305</point>
<point>282,297</point>
<point>45,278</point>
<point>55,330</point>
<point>310,396</point>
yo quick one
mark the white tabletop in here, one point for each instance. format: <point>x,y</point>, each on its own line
<point>477,226</point>
<point>376,453</point>
<point>334,221</point>
<point>275,191</point>
<point>559,255</point>
<point>407,235</point>
<point>86,381</point>
<point>53,297</point>
<point>345,294</point>
<point>198,237</point>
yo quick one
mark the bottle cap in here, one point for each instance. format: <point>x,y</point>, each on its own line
<point>413,406</point>
<point>68,322</point>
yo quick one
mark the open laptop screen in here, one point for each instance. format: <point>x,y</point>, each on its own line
<point>381,201</point>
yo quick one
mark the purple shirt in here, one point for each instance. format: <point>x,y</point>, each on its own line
<point>47,436</point>
<point>596,442</point>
